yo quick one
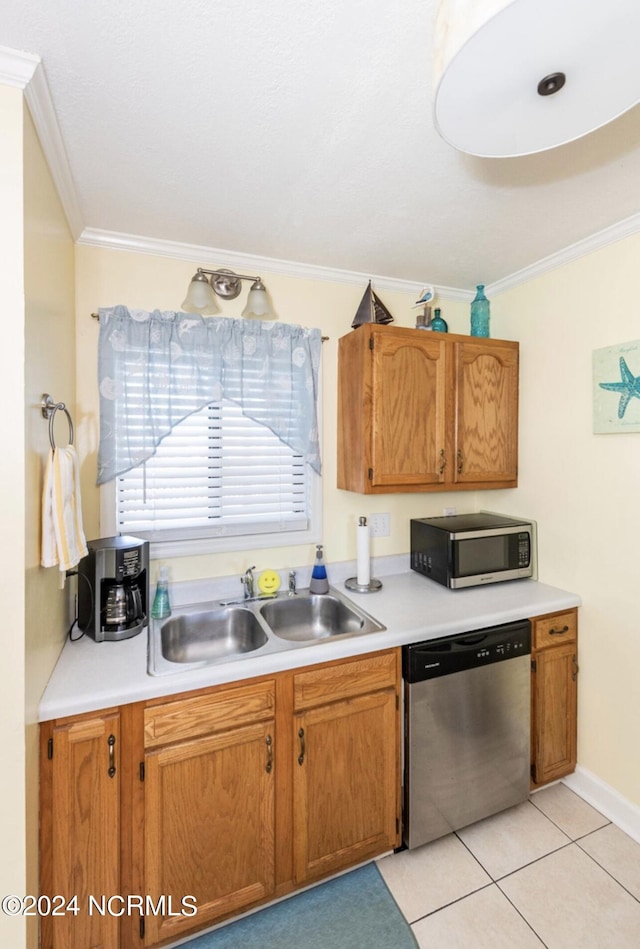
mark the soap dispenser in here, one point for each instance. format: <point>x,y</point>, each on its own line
<point>161,607</point>
<point>319,582</point>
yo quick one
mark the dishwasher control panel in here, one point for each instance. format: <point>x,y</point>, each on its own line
<point>438,657</point>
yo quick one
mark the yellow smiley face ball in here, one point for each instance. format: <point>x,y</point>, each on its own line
<point>269,582</point>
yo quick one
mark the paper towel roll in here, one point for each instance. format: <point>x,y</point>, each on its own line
<point>362,546</point>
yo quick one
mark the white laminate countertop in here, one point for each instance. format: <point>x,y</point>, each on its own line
<point>91,676</point>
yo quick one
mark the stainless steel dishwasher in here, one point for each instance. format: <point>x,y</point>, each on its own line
<point>467,729</point>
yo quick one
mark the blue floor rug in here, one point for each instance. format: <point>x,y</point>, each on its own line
<point>354,911</point>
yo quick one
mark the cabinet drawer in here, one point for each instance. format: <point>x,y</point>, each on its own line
<point>555,630</point>
<point>332,683</point>
<point>204,714</point>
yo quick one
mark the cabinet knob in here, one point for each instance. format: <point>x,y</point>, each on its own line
<point>302,746</point>
<point>443,461</point>
<point>460,461</point>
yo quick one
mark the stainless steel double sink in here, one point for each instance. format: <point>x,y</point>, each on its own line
<point>206,634</point>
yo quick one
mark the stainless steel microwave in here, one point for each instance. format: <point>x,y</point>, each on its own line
<point>468,550</point>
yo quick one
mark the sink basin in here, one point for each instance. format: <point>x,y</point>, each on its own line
<point>211,635</point>
<point>310,617</point>
<point>206,634</point>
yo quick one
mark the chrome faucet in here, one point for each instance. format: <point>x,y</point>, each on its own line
<point>292,583</point>
<point>247,580</point>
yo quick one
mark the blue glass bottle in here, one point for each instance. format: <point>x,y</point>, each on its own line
<point>480,312</point>
<point>438,324</point>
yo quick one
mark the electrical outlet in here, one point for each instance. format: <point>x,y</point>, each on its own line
<point>379,525</point>
<point>448,511</point>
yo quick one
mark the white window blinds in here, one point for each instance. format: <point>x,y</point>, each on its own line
<point>217,474</point>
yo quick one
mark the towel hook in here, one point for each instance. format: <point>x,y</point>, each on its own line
<point>49,409</point>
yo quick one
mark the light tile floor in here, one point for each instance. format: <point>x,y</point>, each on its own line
<point>550,872</point>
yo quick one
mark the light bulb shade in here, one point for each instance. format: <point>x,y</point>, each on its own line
<point>200,297</point>
<point>258,303</point>
<point>490,56</point>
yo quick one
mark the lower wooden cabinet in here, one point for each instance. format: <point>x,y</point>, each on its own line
<point>225,799</point>
<point>346,776</point>
<point>209,814</point>
<point>554,696</point>
<point>80,830</point>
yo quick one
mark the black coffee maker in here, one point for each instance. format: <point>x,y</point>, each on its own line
<point>113,588</point>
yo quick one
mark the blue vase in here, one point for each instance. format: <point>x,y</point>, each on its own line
<point>480,312</point>
<point>438,324</point>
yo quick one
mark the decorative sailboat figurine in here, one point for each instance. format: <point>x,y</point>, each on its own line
<point>371,310</point>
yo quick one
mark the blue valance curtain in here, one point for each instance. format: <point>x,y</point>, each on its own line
<point>155,369</point>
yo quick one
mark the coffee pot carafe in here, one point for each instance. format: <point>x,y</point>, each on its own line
<point>123,606</point>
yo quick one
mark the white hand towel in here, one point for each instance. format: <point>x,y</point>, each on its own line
<point>63,540</point>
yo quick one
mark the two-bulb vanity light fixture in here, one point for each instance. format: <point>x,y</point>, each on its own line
<point>205,284</point>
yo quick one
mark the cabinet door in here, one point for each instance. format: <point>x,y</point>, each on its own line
<point>81,830</point>
<point>209,827</point>
<point>408,409</point>
<point>486,437</point>
<point>345,784</point>
<point>554,699</point>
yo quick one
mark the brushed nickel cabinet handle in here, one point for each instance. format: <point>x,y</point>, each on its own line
<point>460,458</point>
<point>111,741</point>
<point>302,746</point>
<point>559,632</point>
<point>443,461</point>
<point>269,744</point>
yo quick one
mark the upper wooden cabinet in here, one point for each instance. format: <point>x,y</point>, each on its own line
<point>421,411</point>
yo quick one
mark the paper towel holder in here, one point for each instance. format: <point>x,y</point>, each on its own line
<point>352,583</point>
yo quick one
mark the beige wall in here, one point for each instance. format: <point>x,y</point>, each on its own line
<point>584,489</point>
<point>49,367</point>
<point>106,277</point>
<point>12,515</point>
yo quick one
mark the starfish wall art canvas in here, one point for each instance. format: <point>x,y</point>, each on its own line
<point>616,388</point>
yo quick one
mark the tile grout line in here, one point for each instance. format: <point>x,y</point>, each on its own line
<point>458,899</point>
<point>522,917</point>
<point>608,872</point>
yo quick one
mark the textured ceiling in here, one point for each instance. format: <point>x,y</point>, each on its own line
<point>303,131</point>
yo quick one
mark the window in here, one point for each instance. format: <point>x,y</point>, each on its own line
<point>209,431</point>
<point>218,476</point>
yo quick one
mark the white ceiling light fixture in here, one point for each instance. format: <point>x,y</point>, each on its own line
<point>205,284</point>
<point>515,77</point>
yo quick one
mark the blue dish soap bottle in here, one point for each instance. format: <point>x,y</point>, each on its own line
<point>319,582</point>
<point>161,606</point>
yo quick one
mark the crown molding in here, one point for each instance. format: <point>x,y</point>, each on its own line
<point>250,263</point>
<point>17,68</point>
<point>609,235</point>
<point>25,71</point>
<point>45,120</point>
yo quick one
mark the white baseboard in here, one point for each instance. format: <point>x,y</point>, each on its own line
<point>605,799</point>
